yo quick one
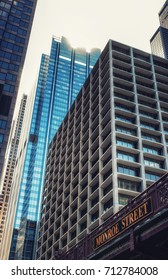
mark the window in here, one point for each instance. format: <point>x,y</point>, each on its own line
<point>148,104</point>
<point>142,57</point>
<point>151,176</point>
<point>5,104</point>
<point>126,143</point>
<point>94,216</point>
<point>9,88</point>
<point>2,76</point>
<point>108,204</point>
<point>16,3</point>
<point>1,137</point>
<point>148,125</point>
<point>5,5</point>
<point>123,199</point>
<point>152,163</point>
<point>124,107</point>
<point>129,185</point>
<point>83,226</point>
<point>29,3</point>
<point>127,170</point>
<point>126,130</point>
<point>107,189</point>
<point>94,201</point>
<point>4,65</point>
<point>83,212</point>
<point>83,198</point>
<point>9,35</point>
<point>151,150</point>
<point>124,119</point>
<point>126,156</point>
<point>150,137</point>
<point>11,77</point>
<point>147,114</point>
<point>13,67</point>
<point>2,22</point>
<point>3,14</point>
<point>73,234</point>
<point>3,124</point>
<point>26,17</point>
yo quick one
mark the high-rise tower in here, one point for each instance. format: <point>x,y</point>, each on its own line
<point>112,145</point>
<point>16,19</point>
<point>11,162</point>
<point>159,41</point>
<point>163,15</point>
<point>61,76</point>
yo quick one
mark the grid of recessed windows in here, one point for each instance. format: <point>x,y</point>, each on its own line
<point>50,108</point>
<point>106,131</point>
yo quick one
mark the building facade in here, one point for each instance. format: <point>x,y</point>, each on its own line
<point>163,15</point>
<point>14,189</point>
<point>16,19</point>
<point>110,147</point>
<point>159,41</point>
<point>61,76</point>
<point>137,232</point>
<point>11,162</point>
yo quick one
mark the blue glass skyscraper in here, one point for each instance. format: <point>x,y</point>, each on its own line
<point>61,76</point>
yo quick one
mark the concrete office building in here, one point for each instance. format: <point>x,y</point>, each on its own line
<point>16,19</point>
<point>159,41</point>
<point>110,147</point>
<point>137,232</point>
<point>61,75</point>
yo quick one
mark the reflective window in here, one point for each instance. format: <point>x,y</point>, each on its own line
<point>3,124</point>
<point>153,163</point>
<point>151,176</point>
<point>151,150</point>
<point>129,185</point>
<point>127,170</point>
<point>1,137</point>
<point>126,130</point>
<point>126,156</point>
<point>126,143</point>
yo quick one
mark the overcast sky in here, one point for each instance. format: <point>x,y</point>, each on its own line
<point>88,23</point>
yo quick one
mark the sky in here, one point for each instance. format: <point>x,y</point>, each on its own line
<point>89,24</point>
